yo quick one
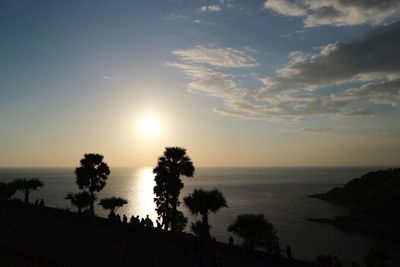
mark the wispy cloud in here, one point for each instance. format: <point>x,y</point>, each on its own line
<point>335,12</point>
<point>309,129</point>
<point>316,129</point>
<point>107,77</point>
<point>217,57</point>
<point>210,8</point>
<point>217,7</point>
<point>211,82</point>
<point>386,92</point>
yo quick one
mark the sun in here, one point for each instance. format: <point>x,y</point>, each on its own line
<point>149,126</point>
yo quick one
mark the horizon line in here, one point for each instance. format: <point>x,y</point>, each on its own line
<point>221,167</point>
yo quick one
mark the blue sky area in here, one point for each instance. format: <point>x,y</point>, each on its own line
<point>238,83</point>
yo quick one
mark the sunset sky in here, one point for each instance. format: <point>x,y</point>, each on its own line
<point>237,83</point>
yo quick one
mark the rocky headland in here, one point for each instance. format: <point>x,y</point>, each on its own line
<point>373,201</point>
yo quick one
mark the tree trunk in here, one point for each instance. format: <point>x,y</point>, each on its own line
<point>173,217</point>
<point>26,195</point>
<point>165,221</point>
<point>206,225</point>
<point>92,203</point>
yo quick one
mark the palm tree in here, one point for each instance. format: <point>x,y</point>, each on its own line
<point>170,167</point>
<point>112,203</point>
<point>80,200</point>
<point>255,230</point>
<point>26,186</point>
<point>92,175</point>
<point>204,202</point>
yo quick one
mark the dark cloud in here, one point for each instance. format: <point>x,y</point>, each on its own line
<point>377,54</point>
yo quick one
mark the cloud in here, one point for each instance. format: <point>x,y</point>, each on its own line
<point>107,77</point>
<point>287,106</point>
<point>335,12</point>
<point>376,56</point>
<point>208,81</point>
<point>287,8</point>
<point>217,7</point>
<point>316,129</point>
<point>309,129</point>
<point>210,8</point>
<point>358,74</point>
<point>384,92</point>
<point>217,57</point>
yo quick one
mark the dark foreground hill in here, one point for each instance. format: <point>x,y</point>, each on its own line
<point>373,201</point>
<point>34,236</point>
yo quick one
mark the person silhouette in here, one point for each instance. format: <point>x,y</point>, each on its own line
<point>124,219</point>
<point>230,241</point>
<point>277,250</point>
<point>335,262</point>
<point>41,203</point>
<point>112,217</point>
<point>148,223</point>
<point>288,252</point>
<point>118,218</point>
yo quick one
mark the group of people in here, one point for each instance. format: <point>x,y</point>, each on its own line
<point>39,203</point>
<point>136,221</point>
<point>144,222</point>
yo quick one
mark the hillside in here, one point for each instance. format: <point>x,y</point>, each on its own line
<point>32,236</point>
<point>373,199</point>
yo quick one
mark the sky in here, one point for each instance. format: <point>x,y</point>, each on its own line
<point>237,83</point>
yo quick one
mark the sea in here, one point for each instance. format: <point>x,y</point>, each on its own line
<point>278,192</point>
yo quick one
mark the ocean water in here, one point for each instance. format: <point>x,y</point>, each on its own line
<point>279,193</point>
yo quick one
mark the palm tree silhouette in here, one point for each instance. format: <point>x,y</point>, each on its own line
<point>255,230</point>
<point>80,200</point>
<point>204,202</point>
<point>92,175</point>
<point>26,186</point>
<point>170,167</point>
<point>112,203</point>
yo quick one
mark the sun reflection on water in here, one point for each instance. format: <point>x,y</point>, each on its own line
<point>142,197</point>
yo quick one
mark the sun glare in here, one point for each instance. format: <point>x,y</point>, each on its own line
<point>149,127</point>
